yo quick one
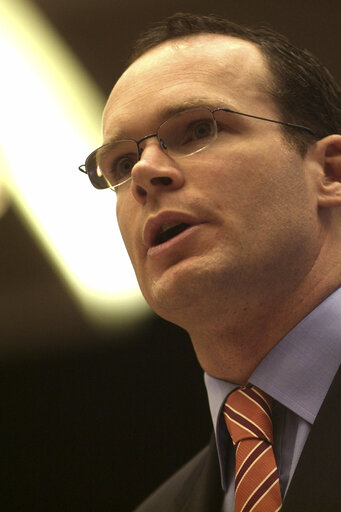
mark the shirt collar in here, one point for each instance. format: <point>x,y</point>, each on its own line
<point>298,371</point>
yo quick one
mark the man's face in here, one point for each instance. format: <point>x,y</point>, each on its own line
<point>247,202</point>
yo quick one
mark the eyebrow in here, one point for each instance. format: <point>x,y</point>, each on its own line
<point>179,106</point>
<point>187,104</point>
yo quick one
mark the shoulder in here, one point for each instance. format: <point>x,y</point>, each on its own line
<point>173,493</point>
<point>316,482</point>
<point>197,486</point>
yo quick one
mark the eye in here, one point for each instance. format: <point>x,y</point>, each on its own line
<point>195,132</point>
<point>202,129</point>
<point>122,167</point>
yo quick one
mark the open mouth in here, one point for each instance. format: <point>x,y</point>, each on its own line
<point>169,231</point>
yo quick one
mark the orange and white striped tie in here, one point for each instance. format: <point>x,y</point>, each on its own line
<point>247,413</point>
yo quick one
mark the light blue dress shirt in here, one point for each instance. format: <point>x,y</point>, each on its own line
<point>297,373</point>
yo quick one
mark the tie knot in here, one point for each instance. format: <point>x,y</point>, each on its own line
<point>247,413</point>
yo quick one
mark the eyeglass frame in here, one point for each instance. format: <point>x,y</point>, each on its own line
<point>82,167</point>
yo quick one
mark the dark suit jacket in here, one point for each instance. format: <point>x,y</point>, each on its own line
<point>315,487</point>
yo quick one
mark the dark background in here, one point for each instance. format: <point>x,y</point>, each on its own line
<point>94,422</point>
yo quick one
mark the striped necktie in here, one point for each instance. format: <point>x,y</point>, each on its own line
<point>247,413</point>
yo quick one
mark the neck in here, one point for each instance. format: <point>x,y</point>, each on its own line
<point>232,343</point>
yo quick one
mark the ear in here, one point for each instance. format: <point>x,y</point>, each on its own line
<point>330,183</point>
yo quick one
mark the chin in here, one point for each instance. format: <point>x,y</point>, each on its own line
<point>182,289</point>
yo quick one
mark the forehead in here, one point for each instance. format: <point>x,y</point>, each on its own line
<point>210,69</point>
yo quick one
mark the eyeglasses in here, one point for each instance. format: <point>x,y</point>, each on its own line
<point>182,135</point>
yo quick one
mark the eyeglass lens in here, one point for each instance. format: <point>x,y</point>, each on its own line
<point>182,135</point>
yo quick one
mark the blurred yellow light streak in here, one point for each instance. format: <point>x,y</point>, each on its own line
<point>50,120</point>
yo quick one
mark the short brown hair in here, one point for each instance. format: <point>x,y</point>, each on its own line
<point>304,90</point>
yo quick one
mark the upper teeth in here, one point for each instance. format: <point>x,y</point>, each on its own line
<point>165,227</point>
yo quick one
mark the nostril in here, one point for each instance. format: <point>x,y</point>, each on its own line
<point>161,180</point>
<point>141,191</point>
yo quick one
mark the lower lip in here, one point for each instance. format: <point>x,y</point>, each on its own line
<point>173,243</point>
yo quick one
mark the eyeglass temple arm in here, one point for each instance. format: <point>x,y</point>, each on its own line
<point>270,121</point>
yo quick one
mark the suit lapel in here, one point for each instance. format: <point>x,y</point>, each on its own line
<point>316,482</point>
<point>207,494</point>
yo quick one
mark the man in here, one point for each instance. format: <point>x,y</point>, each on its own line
<point>229,205</point>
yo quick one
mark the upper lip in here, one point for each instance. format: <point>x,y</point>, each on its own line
<point>156,223</point>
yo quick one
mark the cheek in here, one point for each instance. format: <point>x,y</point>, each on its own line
<point>124,223</point>
<point>254,187</point>
<point>127,223</point>
<point>120,216</point>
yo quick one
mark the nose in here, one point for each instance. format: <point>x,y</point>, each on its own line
<point>155,173</point>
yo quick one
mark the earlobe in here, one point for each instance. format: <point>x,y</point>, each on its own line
<point>330,182</point>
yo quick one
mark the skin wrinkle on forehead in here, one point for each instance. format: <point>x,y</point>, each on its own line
<point>124,100</point>
<point>142,91</point>
<point>142,95</point>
